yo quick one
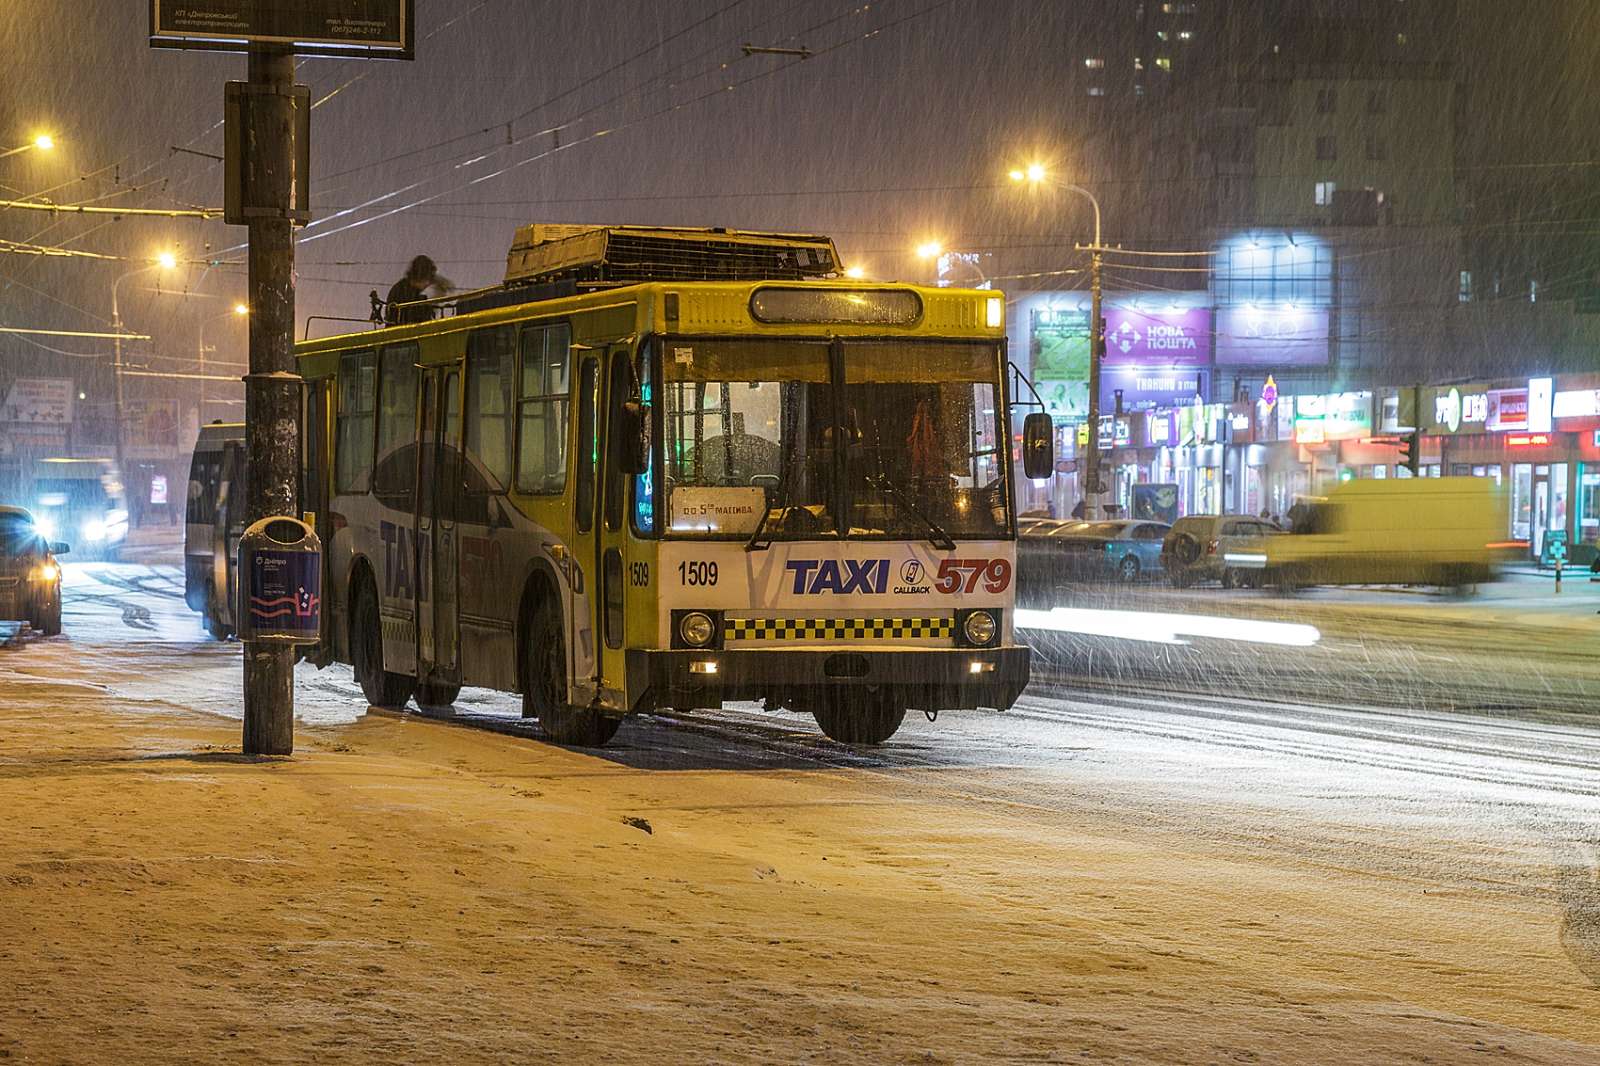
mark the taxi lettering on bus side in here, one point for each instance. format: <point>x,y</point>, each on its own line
<point>403,578</point>
<point>812,577</point>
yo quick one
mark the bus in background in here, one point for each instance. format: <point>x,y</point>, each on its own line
<point>213,521</point>
<point>667,468</point>
<point>81,501</point>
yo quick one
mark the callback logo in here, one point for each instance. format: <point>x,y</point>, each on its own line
<point>813,577</point>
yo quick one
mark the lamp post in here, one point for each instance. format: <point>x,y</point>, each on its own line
<point>163,261</point>
<point>1035,174</point>
<point>238,310</point>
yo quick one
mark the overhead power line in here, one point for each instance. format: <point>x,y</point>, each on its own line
<point>75,333</point>
<point>158,212</point>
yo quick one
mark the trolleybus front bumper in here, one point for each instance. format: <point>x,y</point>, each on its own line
<point>930,679</point>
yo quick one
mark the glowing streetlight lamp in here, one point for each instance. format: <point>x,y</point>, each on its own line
<point>929,250</point>
<point>41,143</point>
<point>240,309</point>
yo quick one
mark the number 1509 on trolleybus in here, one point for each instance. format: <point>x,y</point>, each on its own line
<point>671,468</point>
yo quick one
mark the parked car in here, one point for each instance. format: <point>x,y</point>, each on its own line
<point>1052,554</point>
<point>30,577</point>
<point>1215,547</point>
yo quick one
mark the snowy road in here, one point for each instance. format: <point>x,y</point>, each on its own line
<point>1186,736</point>
<point>1287,847</point>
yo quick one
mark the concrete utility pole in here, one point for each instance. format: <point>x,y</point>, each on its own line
<point>272,389</point>
<point>1097,354</point>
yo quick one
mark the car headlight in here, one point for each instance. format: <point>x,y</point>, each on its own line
<point>47,573</point>
<point>979,627</point>
<point>696,629</point>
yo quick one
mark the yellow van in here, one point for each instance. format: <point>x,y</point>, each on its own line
<point>1411,531</point>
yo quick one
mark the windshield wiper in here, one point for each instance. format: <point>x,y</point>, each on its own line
<point>757,542</point>
<point>936,534</point>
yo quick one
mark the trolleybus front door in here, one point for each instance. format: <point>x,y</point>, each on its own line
<point>596,626</point>
<point>439,476</point>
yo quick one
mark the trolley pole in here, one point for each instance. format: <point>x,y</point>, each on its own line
<point>272,390</point>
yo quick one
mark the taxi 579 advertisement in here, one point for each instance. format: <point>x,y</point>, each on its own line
<point>805,577</point>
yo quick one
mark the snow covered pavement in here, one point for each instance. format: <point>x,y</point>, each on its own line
<point>1117,871</point>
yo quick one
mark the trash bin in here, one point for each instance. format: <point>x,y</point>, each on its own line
<point>280,582</point>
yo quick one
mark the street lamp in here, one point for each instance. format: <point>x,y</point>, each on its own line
<point>42,143</point>
<point>164,260</point>
<point>1035,174</point>
<point>238,310</point>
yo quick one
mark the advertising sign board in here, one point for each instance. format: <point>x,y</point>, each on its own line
<point>1455,410</point>
<point>1061,363</point>
<point>375,28</point>
<point>1541,402</point>
<point>150,429</point>
<point>1155,503</point>
<point>1250,335</point>
<point>1150,338</point>
<point>38,402</point>
<point>1508,409</point>
<point>1146,387</point>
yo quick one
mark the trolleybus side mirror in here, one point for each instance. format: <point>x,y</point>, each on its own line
<point>633,453</point>
<point>1038,446</point>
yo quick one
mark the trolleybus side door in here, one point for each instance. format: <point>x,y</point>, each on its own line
<point>612,526</point>
<point>436,596</point>
<point>582,645</point>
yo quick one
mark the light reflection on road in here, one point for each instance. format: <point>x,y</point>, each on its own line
<point>1163,628</point>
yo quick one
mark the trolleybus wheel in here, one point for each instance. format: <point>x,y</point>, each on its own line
<point>436,694</point>
<point>544,694</point>
<point>215,626</point>
<point>381,688</point>
<point>50,622</point>
<point>859,717</point>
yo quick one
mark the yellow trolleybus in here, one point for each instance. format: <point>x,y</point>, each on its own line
<point>667,469</point>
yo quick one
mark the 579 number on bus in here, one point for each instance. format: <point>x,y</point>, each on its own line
<point>697,574</point>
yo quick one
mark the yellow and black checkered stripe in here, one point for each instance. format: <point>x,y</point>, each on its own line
<point>836,628</point>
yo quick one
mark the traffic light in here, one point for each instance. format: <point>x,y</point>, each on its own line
<point>1411,451</point>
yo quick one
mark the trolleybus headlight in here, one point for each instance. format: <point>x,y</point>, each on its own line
<point>979,628</point>
<point>696,629</point>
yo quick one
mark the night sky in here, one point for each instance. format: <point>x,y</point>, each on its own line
<point>898,130</point>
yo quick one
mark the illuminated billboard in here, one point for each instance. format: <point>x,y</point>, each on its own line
<point>1262,336</point>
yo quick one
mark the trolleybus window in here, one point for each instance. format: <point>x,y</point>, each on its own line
<point>644,499</point>
<point>588,399</point>
<point>931,431</point>
<point>542,410</point>
<point>358,381</point>
<point>749,428</point>
<point>910,447</point>
<point>395,471</point>
<point>491,362</point>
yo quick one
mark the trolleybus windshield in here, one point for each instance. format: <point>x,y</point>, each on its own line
<point>780,438</point>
